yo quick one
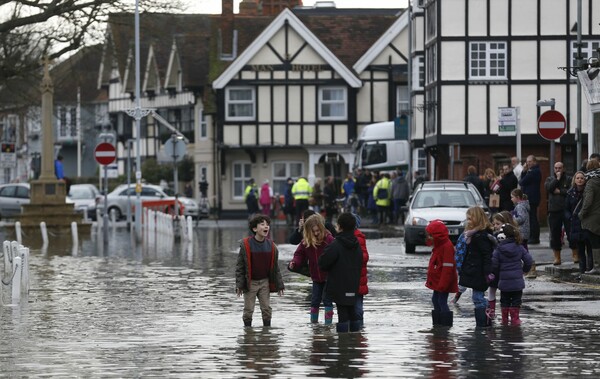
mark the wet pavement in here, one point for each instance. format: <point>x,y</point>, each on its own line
<point>171,311</point>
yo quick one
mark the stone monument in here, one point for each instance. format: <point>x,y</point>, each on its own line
<point>48,193</point>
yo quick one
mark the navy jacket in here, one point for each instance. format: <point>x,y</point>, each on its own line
<point>530,184</point>
<point>342,259</point>
<point>509,262</point>
<point>477,264</point>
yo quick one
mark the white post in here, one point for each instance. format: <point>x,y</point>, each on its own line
<point>24,254</point>
<point>16,281</point>
<point>74,234</point>
<point>44,233</point>
<point>7,256</point>
<point>190,228</point>
<point>18,231</point>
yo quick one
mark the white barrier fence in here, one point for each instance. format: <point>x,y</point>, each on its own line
<point>15,273</point>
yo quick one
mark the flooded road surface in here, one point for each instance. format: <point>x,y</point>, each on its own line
<point>172,312</point>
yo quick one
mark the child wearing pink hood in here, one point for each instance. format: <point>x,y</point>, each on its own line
<point>441,273</point>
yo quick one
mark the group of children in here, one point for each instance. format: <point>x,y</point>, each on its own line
<point>337,264</point>
<point>488,256</point>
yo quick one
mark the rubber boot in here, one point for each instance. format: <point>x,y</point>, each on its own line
<point>355,326</point>
<point>446,318</point>
<point>557,261</point>
<point>328,315</point>
<point>514,315</point>
<point>596,255</point>
<point>575,253</point>
<point>314,315</point>
<point>505,311</point>
<point>481,318</point>
<point>266,322</point>
<point>247,322</point>
<point>532,274</point>
<point>435,317</point>
<point>491,309</point>
<point>342,327</point>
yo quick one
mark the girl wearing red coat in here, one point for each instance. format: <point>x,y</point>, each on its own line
<point>441,273</point>
<point>363,288</point>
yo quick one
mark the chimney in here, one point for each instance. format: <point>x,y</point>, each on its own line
<point>249,8</point>
<point>226,27</point>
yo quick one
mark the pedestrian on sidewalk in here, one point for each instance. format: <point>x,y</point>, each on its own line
<point>577,236</point>
<point>266,197</point>
<point>476,269</point>
<point>509,261</point>
<point>315,239</point>
<point>557,186</point>
<point>530,182</point>
<point>498,220</point>
<point>257,272</point>
<point>342,260</point>
<point>521,216</point>
<point>590,210</point>
<point>441,272</point>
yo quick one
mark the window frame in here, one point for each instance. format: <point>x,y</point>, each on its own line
<point>244,179</point>
<point>251,102</point>
<point>279,181</point>
<point>488,60</point>
<point>343,102</point>
<point>402,105</point>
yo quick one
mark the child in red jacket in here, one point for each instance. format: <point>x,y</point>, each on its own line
<point>441,273</point>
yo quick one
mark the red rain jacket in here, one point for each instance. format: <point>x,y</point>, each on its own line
<point>441,273</point>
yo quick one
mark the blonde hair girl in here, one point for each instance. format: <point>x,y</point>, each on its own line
<point>314,231</point>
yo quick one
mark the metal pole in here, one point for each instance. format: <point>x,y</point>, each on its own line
<point>129,143</point>
<point>578,128</point>
<point>138,160</point>
<point>105,216</point>
<point>519,134</point>
<point>175,178</point>
<point>552,147</point>
<point>78,131</point>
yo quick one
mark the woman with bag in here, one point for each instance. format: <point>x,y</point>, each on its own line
<point>490,190</point>
<point>476,270</point>
<point>577,236</point>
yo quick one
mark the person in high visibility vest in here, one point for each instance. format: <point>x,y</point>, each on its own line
<point>301,191</point>
<point>251,197</point>
<point>383,198</point>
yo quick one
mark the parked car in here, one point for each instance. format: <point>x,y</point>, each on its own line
<point>83,196</point>
<point>443,200</point>
<point>12,196</point>
<point>117,200</point>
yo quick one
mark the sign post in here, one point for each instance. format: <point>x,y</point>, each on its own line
<point>105,154</point>
<point>551,126</point>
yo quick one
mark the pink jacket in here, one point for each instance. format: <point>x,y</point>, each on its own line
<point>312,254</point>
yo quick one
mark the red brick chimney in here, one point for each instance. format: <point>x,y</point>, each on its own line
<point>249,8</point>
<point>226,27</point>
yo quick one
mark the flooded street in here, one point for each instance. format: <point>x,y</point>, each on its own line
<point>172,312</point>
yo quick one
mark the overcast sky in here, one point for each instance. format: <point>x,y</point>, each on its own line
<point>214,6</point>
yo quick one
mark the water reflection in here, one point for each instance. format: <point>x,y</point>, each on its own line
<point>339,355</point>
<point>258,352</point>
<point>442,353</point>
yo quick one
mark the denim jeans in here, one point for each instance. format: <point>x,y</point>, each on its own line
<point>440,301</point>
<point>358,307</point>
<point>318,295</point>
<point>479,299</point>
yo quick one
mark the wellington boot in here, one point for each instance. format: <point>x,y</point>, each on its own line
<point>314,315</point>
<point>514,315</point>
<point>342,327</point>
<point>266,322</point>
<point>355,326</point>
<point>481,318</point>
<point>435,317</point>
<point>532,274</point>
<point>557,261</point>
<point>505,311</point>
<point>446,318</point>
<point>575,253</point>
<point>491,310</point>
<point>328,315</point>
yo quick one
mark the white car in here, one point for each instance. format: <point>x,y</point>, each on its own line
<point>12,196</point>
<point>83,196</point>
<point>444,200</point>
<point>117,200</point>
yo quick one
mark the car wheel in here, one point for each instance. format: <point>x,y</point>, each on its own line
<point>410,248</point>
<point>117,212</point>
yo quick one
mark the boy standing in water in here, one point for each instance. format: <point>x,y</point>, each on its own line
<point>257,272</point>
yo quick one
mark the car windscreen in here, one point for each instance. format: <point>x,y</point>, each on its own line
<point>79,193</point>
<point>443,199</point>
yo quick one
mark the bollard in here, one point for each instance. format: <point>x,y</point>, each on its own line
<point>18,231</point>
<point>190,228</point>
<point>16,281</point>
<point>24,254</point>
<point>74,233</point>
<point>113,216</point>
<point>44,233</point>
<point>7,257</point>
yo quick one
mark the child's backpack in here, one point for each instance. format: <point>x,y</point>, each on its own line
<point>460,250</point>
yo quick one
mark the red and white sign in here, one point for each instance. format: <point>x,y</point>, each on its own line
<point>105,153</point>
<point>551,125</point>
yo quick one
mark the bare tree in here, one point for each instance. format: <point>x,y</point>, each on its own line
<point>30,29</point>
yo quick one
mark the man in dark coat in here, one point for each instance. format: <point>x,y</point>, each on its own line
<point>557,186</point>
<point>342,259</point>
<point>508,183</point>
<point>530,182</point>
<point>473,178</point>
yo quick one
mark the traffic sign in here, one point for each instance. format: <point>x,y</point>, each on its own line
<point>175,148</point>
<point>105,153</point>
<point>551,125</point>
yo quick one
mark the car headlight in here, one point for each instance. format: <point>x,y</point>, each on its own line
<point>419,221</point>
<point>463,223</point>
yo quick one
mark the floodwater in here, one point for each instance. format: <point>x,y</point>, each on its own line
<point>171,311</point>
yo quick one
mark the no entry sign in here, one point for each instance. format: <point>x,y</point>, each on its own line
<point>105,153</point>
<point>551,125</point>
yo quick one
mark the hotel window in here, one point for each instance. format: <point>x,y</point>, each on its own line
<point>418,73</point>
<point>240,103</point>
<point>332,103</point>
<point>284,170</point>
<point>242,172</point>
<point>488,60</point>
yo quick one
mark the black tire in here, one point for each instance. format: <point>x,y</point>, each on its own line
<point>118,214</point>
<point>410,248</point>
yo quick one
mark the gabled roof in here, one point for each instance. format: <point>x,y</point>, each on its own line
<point>382,43</point>
<point>297,25</point>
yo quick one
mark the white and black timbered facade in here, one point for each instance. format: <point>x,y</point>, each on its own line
<point>480,55</point>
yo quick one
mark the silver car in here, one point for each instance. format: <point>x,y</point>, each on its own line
<point>84,196</point>
<point>444,200</point>
<point>12,197</point>
<point>117,200</point>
